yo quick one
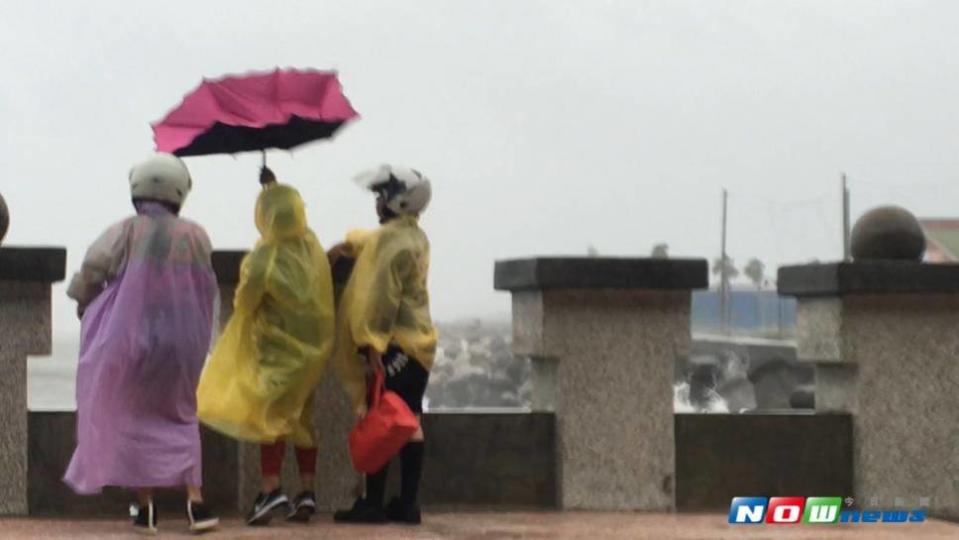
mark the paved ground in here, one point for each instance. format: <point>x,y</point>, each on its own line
<point>482,526</point>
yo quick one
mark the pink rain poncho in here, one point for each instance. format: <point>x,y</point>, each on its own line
<point>148,289</point>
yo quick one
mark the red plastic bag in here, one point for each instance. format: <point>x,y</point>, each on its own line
<point>388,425</point>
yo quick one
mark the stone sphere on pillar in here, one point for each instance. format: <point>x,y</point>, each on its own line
<point>4,219</point>
<point>888,233</point>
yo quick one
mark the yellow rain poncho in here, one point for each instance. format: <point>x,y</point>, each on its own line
<point>385,300</point>
<point>259,381</point>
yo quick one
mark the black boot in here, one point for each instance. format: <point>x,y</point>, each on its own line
<point>400,512</point>
<point>368,509</point>
<point>406,508</point>
<point>362,512</point>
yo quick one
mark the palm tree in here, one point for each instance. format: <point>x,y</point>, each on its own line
<point>755,271</point>
<point>731,271</point>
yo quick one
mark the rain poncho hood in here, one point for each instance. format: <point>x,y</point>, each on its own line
<point>385,300</point>
<point>148,288</point>
<point>259,381</point>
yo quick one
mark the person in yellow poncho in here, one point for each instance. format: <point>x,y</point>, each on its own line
<point>383,320</point>
<point>259,381</point>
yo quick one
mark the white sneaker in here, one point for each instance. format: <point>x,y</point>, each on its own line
<point>200,517</point>
<point>144,519</point>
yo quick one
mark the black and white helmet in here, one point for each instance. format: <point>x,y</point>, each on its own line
<point>161,177</point>
<point>406,190</point>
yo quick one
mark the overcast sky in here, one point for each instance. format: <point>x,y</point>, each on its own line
<point>546,126</point>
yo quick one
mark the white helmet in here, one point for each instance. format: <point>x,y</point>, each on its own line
<point>161,177</point>
<point>406,190</point>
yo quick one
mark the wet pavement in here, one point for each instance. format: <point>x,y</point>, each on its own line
<point>495,525</point>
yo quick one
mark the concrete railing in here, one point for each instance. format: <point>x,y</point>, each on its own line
<point>497,461</point>
<point>884,340</point>
<point>26,275</point>
<point>488,461</point>
<point>603,336</point>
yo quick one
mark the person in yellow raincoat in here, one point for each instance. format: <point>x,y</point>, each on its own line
<point>258,383</point>
<point>383,320</point>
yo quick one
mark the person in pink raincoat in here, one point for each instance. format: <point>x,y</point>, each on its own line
<point>145,293</point>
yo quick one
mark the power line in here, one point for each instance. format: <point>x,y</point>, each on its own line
<point>787,205</point>
<point>724,275</point>
<point>769,218</point>
<point>845,219</point>
<point>912,186</point>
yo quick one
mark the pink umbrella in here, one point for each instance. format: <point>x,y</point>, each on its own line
<point>281,109</point>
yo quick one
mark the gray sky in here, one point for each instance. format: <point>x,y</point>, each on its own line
<point>546,126</point>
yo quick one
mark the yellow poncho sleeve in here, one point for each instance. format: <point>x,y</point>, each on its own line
<point>372,323</point>
<point>385,301</point>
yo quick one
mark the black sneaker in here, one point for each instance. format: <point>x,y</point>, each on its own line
<point>144,519</point>
<point>362,512</point>
<point>304,506</point>
<point>264,505</point>
<point>200,517</point>
<point>400,512</point>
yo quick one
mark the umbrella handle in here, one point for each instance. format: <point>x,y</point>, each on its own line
<point>263,163</point>
<point>266,175</point>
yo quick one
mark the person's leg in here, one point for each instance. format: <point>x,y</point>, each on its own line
<point>271,464</point>
<point>411,462</point>
<point>199,516</point>
<point>271,497</point>
<point>376,486</point>
<point>306,462</point>
<point>145,520</point>
<point>409,380</point>
<point>144,497</point>
<point>304,505</point>
<point>368,507</point>
<point>306,455</point>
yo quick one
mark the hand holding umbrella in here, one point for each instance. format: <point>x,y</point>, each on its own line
<point>267,177</point>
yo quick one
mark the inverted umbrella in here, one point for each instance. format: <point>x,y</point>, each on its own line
<point>280,109</point>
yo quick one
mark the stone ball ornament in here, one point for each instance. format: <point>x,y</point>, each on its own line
<point>4,219</point>
<point>887,233</point>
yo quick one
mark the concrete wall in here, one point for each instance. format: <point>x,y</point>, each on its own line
<point>604,335</point>
<point>507,461</point>
<point>472,460</point>
<point>51,444</point>
<point>721,456</point>
<point>883,338</point>
<point>24,330</point>
<point>26,275</point>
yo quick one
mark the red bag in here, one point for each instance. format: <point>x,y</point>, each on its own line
<point>387,427</point>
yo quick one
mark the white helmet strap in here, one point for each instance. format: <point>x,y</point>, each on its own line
<point>389,189</point>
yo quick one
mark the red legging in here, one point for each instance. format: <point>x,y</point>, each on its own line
<point>271,459</point>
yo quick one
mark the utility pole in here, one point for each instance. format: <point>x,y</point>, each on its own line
<point>724,276</point>
<point>845,220</point>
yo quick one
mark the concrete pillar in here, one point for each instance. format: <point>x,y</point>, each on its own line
<point>604,335</point>
<point>26,275</point>
<point>884,339</point>
<point>335,479</point>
